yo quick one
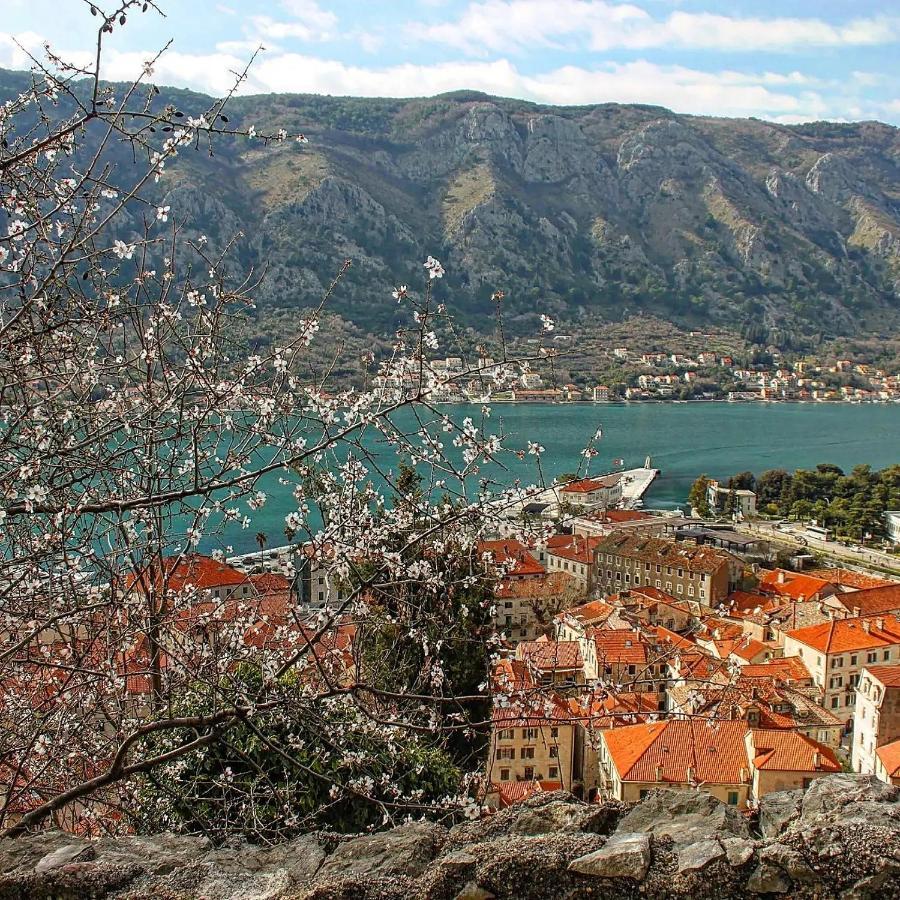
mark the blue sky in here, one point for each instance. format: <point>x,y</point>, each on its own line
<point>788,61</point>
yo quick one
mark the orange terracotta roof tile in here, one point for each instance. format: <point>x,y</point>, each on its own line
<point>889,754</point>
<point>790,751</point>
<point>575,548</point>
<point>619,647</point>
<point>589,613</point>
<point>552,584</point>
<point>191,570</point>
<point>795,585</point>
<point>842,635</point>
<point>511,555</point>
<point>871,601</point>
<point>889,676</point>
<point>714,752</point>
<point>551,655</point>
<point>586,485</point>
<point>849,578</point>
<point>788,668</point>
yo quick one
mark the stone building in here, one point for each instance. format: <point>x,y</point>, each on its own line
<point>876,719</point>
<point>703,574</point>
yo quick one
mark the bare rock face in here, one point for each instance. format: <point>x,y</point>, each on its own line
<point>839,839</point>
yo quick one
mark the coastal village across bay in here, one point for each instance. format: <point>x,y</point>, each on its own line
<point>675,376</point>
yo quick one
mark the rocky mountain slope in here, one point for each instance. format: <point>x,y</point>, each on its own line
<point>839,839</point>
<point>591,213</point>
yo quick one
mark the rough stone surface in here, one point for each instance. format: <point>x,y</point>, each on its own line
<point>623,856</point>
<point>777,809</point>
<point>698,856</point>
<point>686,816</point>
<point>840,840</point>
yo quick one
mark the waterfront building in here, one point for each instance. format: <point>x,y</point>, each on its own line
<point>744,500</point>
<point>892,525</point>
<point>604,491</point>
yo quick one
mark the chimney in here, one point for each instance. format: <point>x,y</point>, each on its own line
<point>817,759</point>
<point>866,626</point>
<point>879,623</point>
<point>780,578</point>
<point>745,775</point>
<point>690,774</point>
<point>659,772</point>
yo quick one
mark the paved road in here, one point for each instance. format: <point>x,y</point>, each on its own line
<point>800,538</point>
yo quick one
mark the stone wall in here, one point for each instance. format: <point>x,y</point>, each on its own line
<point>840,839</point>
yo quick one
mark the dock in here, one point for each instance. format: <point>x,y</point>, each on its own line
<point>636,483</point>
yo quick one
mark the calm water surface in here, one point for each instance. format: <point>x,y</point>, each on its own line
<point>683,439</point>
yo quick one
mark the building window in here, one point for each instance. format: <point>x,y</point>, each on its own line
<point>529,734</point>
<point>887,655</point>
<point>871,656</point>
<point>527,753</point>
<point>553,772</point>
<point>732,798</point>
<point>554,752</point>
<point>529,773</point>
<point>835,702</point>
<point>554,732</point>
<point>504,774</point>
<point>853,660</point>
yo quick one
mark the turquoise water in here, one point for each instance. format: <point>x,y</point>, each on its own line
<point>684,440</point>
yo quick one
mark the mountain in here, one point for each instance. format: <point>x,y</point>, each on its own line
<point>789,234</point>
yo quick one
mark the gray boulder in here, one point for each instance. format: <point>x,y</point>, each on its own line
<point>685,816</point>
<point>624,855</point>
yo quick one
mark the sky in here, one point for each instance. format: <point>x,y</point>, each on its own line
<point>782,60</point>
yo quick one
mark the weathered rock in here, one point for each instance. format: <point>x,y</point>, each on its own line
<point>851,798</point>
<point>777,809</point>
<point>541,814</point>
<point>406,850</point>
<point>686,816</point>
<point>71,853</point>
<point>698,856</point>
<point>686,847</point>
<point>737,850</point>
<point>624,855</point>
<point>768,879</point>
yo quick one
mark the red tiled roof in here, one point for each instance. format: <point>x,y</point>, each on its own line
<point>714,751</point>
<point>663,552</point>
<point>795,585</point>
<point>743,603</point>
<point>789,751</point>
<point>191,570</point>
<point>589,613</point>
<point>579,549</point>
<point>617,515</point>
<point>889,676</point>
<point>511,792</point>
<point>872,601</point>
<point>889,754</point>
<point>511,552</point>
<point>619,647</point>
<point>788,668</point>
<point>551,655</point>
<point>586,485</point>
<point>841,635</point>
<point>609,710</point>
<point>270,582</point>
<point>849,578</point>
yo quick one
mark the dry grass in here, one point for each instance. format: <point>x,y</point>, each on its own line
<point>468,190</point>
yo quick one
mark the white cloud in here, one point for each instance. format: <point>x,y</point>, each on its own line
<point>13,49</point>
<point>508,25</point>
<point>308,22</point>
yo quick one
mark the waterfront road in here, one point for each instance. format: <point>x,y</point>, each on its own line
<point>795,536</point>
